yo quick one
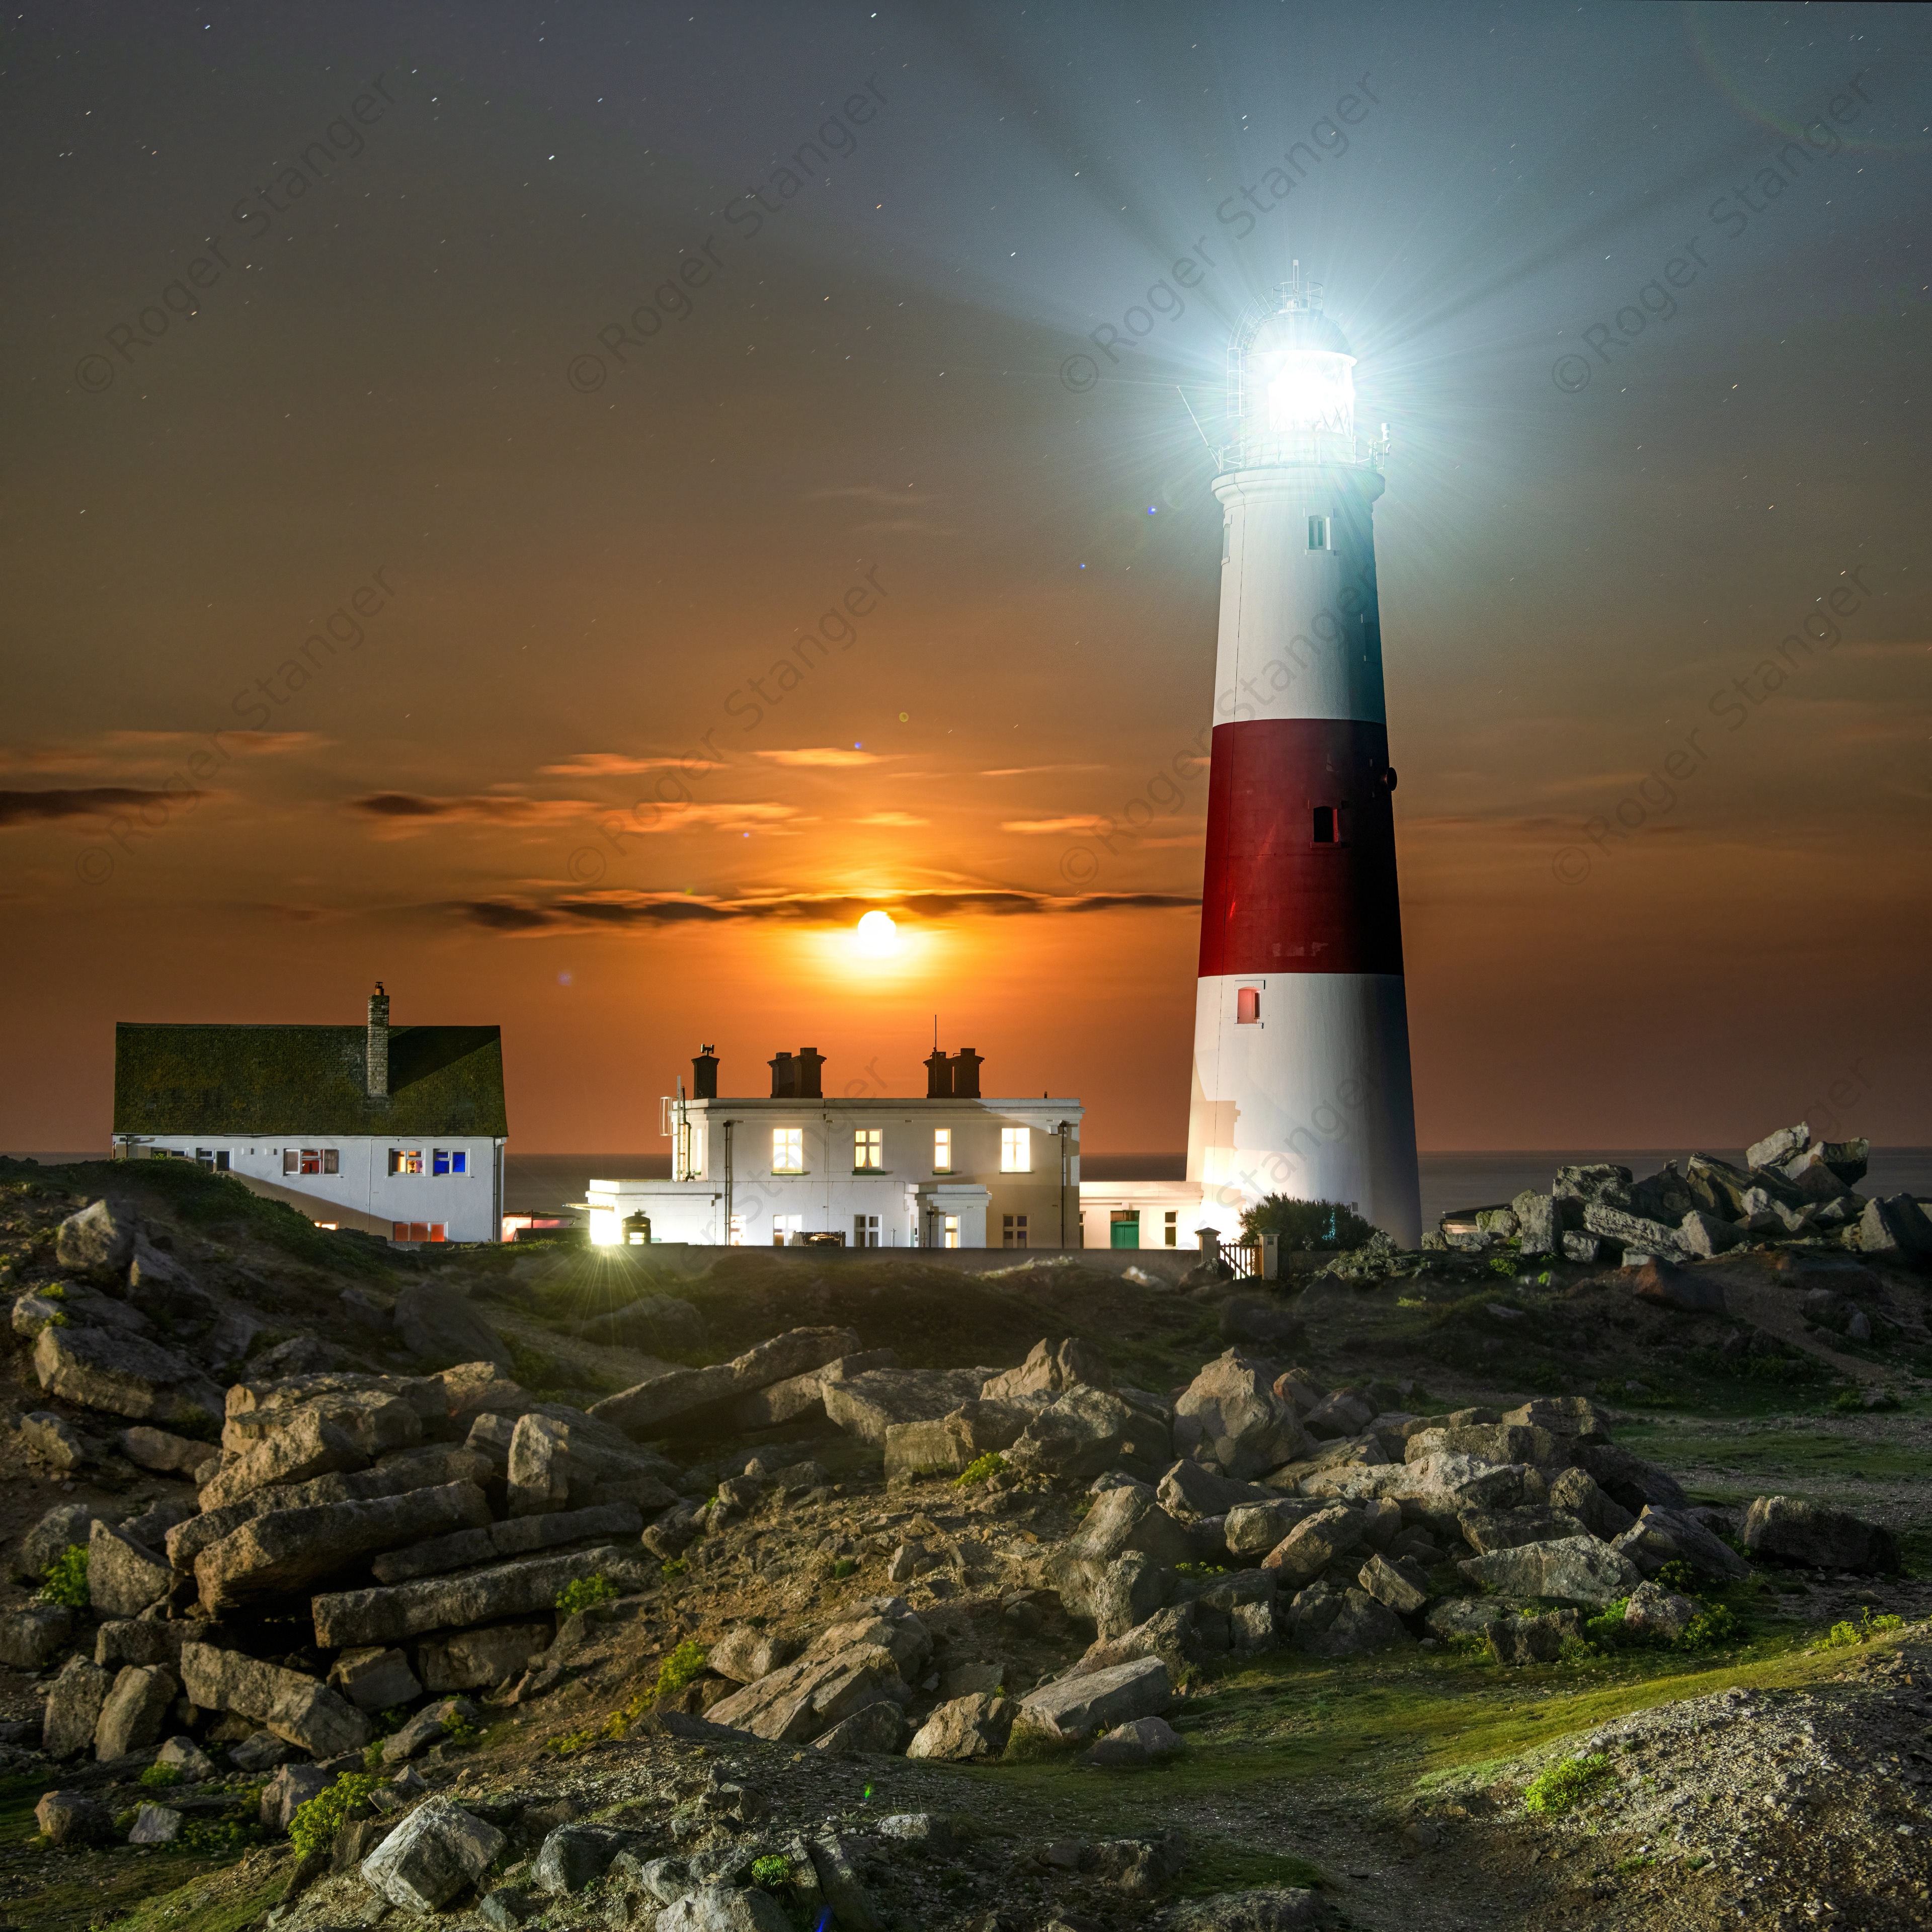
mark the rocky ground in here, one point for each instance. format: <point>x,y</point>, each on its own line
<point>1491,1585</point>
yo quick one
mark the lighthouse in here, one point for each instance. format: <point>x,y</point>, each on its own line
<point>1301,1071</point>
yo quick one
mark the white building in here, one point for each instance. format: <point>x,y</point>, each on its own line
<point>952,1170</point>
<point>396,1131</point>
<point>1140,1214</point>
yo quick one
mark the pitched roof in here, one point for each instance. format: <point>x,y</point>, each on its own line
<point>305,1079</point>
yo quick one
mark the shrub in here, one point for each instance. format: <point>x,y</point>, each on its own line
<point>67,1579</point>
<point>982,1468</point>
<point>684,1666</point>
<point>1328,1226</point>
<point>676,1566</point>
<point>844,1567</point>
<point>1553,1792</point>
<point>771,1871</point>
<point>313,1827</point>
<point>1843,1636</point>
<point>1714,1626</point>
<point>159,1777</point>
<point>585,1593</point>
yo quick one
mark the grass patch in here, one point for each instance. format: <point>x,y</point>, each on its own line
<point>225,1901</point>
<point>1552,1792</point>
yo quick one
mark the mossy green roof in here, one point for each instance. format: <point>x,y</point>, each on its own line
<point>306,1079</point>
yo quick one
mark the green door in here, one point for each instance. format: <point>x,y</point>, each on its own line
<point>1125,1231</point>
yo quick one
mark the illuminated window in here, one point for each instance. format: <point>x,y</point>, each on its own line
<point>1247,1006</point>
<point>406,1160</point>
<point>1012,1231</point>
<point>788,1150</point>
<point>865,1231</point>
<point>1173,1230</point>
<point>1320,533</point>
<point>942,1150</point>
<point>449,1160</point>
<point>783,1226</point>
<point>734,1235</point>
<point>949,1233</point>
<point>868,1151</point>
<point>420,1230</point>
<point>1016,1149</point>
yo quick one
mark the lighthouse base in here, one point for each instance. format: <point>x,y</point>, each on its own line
<point>1309,1097</point>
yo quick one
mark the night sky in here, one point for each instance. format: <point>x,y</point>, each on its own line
<point>563,510</point>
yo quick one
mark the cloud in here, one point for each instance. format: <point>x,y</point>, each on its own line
<point>615,765</point>
<point>890,818</point>
<point>32,808</point>
<point>617,909</point>
<point>1027,771</point>
<point>829,755</point>
<point>153,750</point>
<point>404,810</point>
<point>1086,822</point>
<point>865,493</point>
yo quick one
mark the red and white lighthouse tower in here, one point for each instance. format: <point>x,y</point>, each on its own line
<point>1301,1071</point>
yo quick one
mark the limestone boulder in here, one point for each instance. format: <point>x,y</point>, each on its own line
<point>869,1406</point>
<point>1398,1586</point>
<point>124,1577</point>
<point>878,1730</point>
<point>1663,1285</point>
<point>492,1542</point>
<point>1659,1614</point>
<point>155,1824</point>
<point>287,1549</point>
<point>1128,1591</point>
<point>1345,1412</point>
<point>955,1441</point>
<point>301,1710</point>
<point>1628,1479</point>
<point>118,1374</point>
<point>166,1454</point>
<point>966,1729</point>
<point>99,1241</point>
<point>842,1670</point>
<point>348,1619</point>
<point>680,1397</point>
<point>1537,1637</point>
<point>481,1659</point>
<point>1575,1492</point>
<point>73,1818</point>
<point>1082,1433</point>
<point>51,1439</point>
<point>135,1709</point>
<point>429,1725</point>
<point>1253,1529</point>
<point>41,1548</point>
<point>1229,1415</point>
<point>724,1908</point>
<point>375,1678</point>
<point>1191,1491</point>
<point>72,1708</point>
<point>1486,1530</point>
<point>1660,1536</point>
<point>436,1851</point>
<point>32,1637</point>
<point>1576,1569</point>
<point>1898,1227</point>
<point>743,1654</point>
<point>1050,1369</point>
<point>1790,1530</point>
<point>161,1286</point>
<point>1080,1707</point>
<point>538,1466</point>
<point>1314,1543</point>
<point>1328,1622</point>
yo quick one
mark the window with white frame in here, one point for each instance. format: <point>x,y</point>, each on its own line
<point>868,1151</point>
<point>310,1160</point>
<point>949,1232</point>
<point>449,1160</point>
<point>788,1150</point>
<point>865,1231</point>
<point>406,1160</point>
<point>1016,1149</point>
<point>783,1226</point>
<point>1012,1231</point>
<point>942,1150</point>
<point>1173,1228</point>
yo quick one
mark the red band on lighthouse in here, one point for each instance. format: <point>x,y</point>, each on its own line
<point>1301,874</point>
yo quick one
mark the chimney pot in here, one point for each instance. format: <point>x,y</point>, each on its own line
<point>704,1074</point>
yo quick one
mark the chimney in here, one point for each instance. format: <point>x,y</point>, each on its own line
<point>938,1076</point>
<point>810,1060</point>
<point>376,1052</point>
<point>784,1077</point>
<point>966,1075</point>
<point>704,1074</point>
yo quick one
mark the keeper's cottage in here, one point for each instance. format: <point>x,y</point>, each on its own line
<point>397,1131</point>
